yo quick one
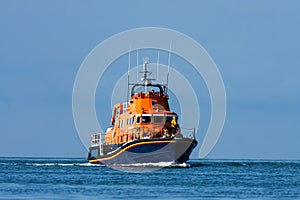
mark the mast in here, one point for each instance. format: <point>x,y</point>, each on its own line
<point>128,74</point>
<point>157,67</point>
<point>146,73</point>
<point>169,60</point>
<point>137,65</point>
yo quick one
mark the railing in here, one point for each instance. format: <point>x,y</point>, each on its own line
<point>145,132</point>
<point>188,132</point>
<point>157,132</point>
<point>98,139</point>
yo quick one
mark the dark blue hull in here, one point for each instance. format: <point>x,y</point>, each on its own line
<point>175,150</point>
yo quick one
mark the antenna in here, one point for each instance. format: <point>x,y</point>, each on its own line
<point>146,73</point>
<point>129,60</point>
<point>137,65</point>
<point>169,60</point>
<point>128,73</point>
<point>157,66</point>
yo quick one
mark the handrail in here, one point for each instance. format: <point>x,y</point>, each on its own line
<point>158,132</point>
<point>188,132</point>
<point>144,132</point>
<point>97,139</point>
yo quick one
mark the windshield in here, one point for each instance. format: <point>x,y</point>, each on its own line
<point>146,119</point>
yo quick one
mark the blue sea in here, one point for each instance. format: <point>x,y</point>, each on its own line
<point>52,178</point>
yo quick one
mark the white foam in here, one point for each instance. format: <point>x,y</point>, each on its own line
<point>158,165</point>
<point>183,165</point>
<point>89,165</point>
<point>146,165</point>
<point>64,164</point>
<point>40,164</point>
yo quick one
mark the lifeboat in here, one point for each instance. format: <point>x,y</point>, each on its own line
<point>143,130</point>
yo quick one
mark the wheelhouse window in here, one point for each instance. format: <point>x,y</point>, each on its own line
<point>146,119</point>
<point>158,119</point>
<point>154,103</point>
<point>138,119</point>
<point>169,119</point>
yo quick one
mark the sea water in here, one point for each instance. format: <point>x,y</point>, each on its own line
<point>45,178</point>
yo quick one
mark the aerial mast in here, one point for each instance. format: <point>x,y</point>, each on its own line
<point>169,60</point>
<point>146,73</point>
<point>128,74</point>
<point>157,67</point>
<point>137,65</point>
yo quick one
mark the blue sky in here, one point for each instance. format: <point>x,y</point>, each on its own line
<point>255,45</point>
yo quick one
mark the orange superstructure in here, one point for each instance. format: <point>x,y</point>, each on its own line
<point>146,115</point>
